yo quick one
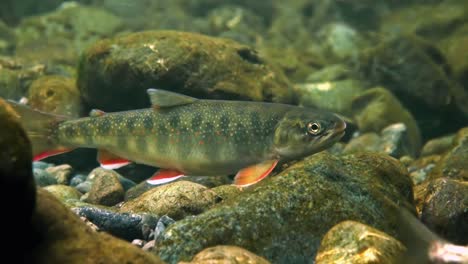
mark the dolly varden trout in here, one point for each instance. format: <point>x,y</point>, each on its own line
<point>186,136</point>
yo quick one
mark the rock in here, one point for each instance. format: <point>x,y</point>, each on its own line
<point>63,192</point>
<point>177,200</point>
<point>420,169</point>
<point>207,181</point>
<point>55,94</point>
<point>16,76</point>
<point>453,164</point>
<point>393,141</point>
<point>59,36</point>
<point>353,242</point>
<point>283,218</point>
<point>77,179</point>
<point>13,11</point>
<point>377,108</point>
<point>7,39</point>
<point>430,21</point>
<point>41,165</point>
<point>106,188</point>
<point>437,146</point>
<point>123,225</point>
<point>444,210</point>
<point>18,188</point>
<point>340,41</point>
<point>188,63</point>
<point>62,173</point>
<point>334,72</point>
<point>226,192</point>
<point>43,178</point>
<point>84,187</point>
<point>226,254</point>
<point>334,96</point>
<point>416,72</point>
<point>61,237</point>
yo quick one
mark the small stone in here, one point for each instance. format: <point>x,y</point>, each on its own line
<point>63,192</point>
<point>149,246</point>
<point>377,108</point>
<point>437,146</point>
<point>84,187</point>
<point>41,165</point>
<point>454,163</point>
<point>177,200</point>
<point>43,178</point>
<point>445,209</point>
<point>226,254</point>
<point>106,188</point>
<point>123,225</point>
<point>77,179</point>
<point>138,242</point>
<point>355,242</point>
<point>62,173</point>
<point>226,192</point>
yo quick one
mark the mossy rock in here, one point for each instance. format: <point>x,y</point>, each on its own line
<point>189,63</point>
<point>283,218</point>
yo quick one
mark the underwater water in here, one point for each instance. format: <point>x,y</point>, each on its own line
<point>196,131</point>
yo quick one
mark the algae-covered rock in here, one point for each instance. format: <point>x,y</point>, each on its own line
<point>428,20</point>
<point>454,163</point>
<point>60,36</point>
<point>16,76</point>
<point>334,96</point>
<point>61,237</point>
<point>106,188</point>
<point>126,66</point>
<point>444,209</point>
<point>437,146</point>
<point>62,173</point>
<point>415,71</point>
<point>353,242</point>
<point>283,218</point>
<point>226,254</point>
<point>177,200</point>
<point>377,108</point>
<point>18,188</point>
<point>63,192</point>
<point>340,41</point>
<point>420,169</point>
<point>7,39</point>
<point>12,11</point>
<point>55,94</point>
<point>226,192</point>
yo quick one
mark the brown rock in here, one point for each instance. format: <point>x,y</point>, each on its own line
<point>106,188</point>
<point>352,242</point>
<point>226,255</point>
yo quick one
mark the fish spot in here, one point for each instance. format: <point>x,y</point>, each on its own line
<point>196,121</point>
<point>148,122</point>
<point>174,121</point>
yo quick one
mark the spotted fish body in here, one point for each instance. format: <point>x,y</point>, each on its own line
<point>201,137</point>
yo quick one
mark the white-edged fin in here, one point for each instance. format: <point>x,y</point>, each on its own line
<point>111,161</point>
<point>164,176</point>
<point>162,98</point>
<point>254,173</point>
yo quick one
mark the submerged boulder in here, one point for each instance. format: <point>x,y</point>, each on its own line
<point>194,64</point>
<point>283,218</point>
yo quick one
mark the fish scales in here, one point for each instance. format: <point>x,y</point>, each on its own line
<point>197,134</point>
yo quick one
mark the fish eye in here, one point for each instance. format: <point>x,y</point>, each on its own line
<point>314,128</point>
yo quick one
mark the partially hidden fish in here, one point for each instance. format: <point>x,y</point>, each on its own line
<point>186,136</point>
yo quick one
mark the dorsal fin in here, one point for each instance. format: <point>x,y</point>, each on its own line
<point>96,113</point>
<point>162,98</point>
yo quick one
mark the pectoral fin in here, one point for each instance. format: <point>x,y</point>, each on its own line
<point>254,173</point>
<point>164,176</point>
<point>111,161</point>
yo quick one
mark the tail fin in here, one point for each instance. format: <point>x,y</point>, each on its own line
<point>41,129</point>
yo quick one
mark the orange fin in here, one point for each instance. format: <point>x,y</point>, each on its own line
<point>254,173</point>
<point>164,176</point>
<point>111,161</point>
<point>50,153</point>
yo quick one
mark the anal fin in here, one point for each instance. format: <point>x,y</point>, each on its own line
<point>111,161</point>
<point>164,176</point>
<point>254,173</point>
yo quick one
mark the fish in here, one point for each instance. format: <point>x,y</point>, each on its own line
<point>424,246</point>
<point>187,136</point>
